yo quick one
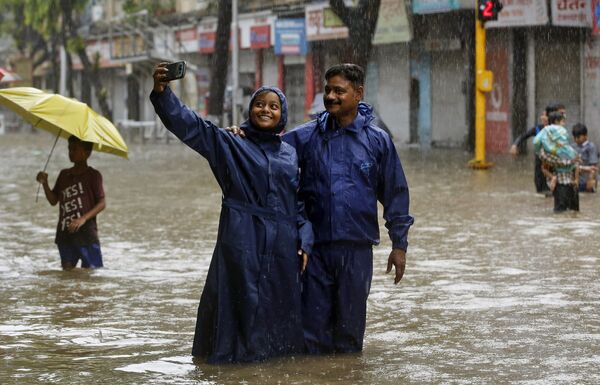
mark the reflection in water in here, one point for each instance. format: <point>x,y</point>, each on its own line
<point>497,288</point>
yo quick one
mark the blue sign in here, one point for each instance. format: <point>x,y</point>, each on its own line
<point>290,37</point>
<point>434,6</point>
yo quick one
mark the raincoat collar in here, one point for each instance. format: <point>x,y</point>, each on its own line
<point>363,118</point>
<point>273,134</point>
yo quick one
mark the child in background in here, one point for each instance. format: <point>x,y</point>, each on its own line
<point>553,147</point>
<point>80,193</point>
<point>589,158</point>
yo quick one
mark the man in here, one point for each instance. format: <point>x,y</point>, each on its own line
<point>347,165</point>
<point>539,179</point>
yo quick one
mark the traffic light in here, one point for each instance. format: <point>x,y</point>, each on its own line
<point>488,9</point>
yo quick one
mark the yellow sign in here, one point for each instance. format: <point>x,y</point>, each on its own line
<point>485,81</point>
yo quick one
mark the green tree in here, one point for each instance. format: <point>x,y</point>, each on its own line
<point>41,27</point>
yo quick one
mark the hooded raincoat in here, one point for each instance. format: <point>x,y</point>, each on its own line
<point>345,171</point>
<point>554,139</point>
<point>250,306</point>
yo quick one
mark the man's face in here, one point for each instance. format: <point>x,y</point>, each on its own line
<point>340,97</point>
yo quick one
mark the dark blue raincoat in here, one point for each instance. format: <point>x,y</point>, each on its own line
<point>250,306</point>
<point>345,171</point>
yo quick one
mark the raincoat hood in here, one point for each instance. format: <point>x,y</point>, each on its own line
<point>249,127</point>
<point>364,109</point>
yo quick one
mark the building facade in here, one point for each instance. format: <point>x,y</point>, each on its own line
<point>420,77</point>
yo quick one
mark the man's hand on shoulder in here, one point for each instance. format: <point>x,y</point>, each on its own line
<point>235,130</point>
<point>398,259</point>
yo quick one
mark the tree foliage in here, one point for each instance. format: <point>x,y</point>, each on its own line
<point>40,27</point>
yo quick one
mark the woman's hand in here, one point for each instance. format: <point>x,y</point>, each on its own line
<point>159,75</point>
<point>304,257</point>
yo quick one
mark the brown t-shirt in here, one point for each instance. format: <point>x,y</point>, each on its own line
<point>77,194</point>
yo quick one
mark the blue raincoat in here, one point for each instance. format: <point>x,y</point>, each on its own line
<point>344,172</point>
<point>250,306</point>
<point>554,139</point>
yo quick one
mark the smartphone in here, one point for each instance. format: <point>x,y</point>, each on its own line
<point>176,70</point>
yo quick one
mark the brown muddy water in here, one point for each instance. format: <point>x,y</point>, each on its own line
<point>497,290</point>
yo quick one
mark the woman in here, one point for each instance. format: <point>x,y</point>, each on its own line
<point>250,305</point>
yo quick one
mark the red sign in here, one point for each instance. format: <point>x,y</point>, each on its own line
<point>260,36</point>
<point>207,42</point>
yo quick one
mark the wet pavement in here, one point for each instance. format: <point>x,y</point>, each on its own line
<point>497,290</point>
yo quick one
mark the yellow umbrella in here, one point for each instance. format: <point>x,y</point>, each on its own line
<point>64,117</point>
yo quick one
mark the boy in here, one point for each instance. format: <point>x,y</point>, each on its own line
<point>589,158</point>
<point>553,148</point>
<point>81,196</point>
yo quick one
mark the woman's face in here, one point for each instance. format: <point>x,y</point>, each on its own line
<point>266,111</point>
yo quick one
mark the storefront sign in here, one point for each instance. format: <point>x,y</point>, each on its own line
<point>572,13</point>
<point>316,28</point>
<point>290,37</point>
<point>207,42</point>
<point>434,6</point>
<point>260,36</point>
<point>207,33</point>
<point>521,13</point>
<point>257,26</point>
<point>392,23</point>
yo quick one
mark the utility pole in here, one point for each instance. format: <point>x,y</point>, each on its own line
<point>484,79</point>
<point>234,64</point>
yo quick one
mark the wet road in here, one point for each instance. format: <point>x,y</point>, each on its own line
<point>497,290</point>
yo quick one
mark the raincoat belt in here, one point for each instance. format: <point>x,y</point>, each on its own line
<point>258,211</point>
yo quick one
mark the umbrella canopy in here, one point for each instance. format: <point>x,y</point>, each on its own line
<point>65,117</point>
<point>6,76</point>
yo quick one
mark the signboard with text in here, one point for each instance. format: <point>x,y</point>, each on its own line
<point>290,37</point>
<point>392,23</point>
<point>572,13</point>
<point>260,36</point>
<point>521,13</point>
<point>434,6</point>
<point>317,29</point>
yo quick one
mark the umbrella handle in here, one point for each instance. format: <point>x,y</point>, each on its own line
<point>46,165</point>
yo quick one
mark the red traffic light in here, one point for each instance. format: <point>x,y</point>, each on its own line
<point>488,9</point>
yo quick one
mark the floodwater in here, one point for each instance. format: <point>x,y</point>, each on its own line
<point>497,290</point>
